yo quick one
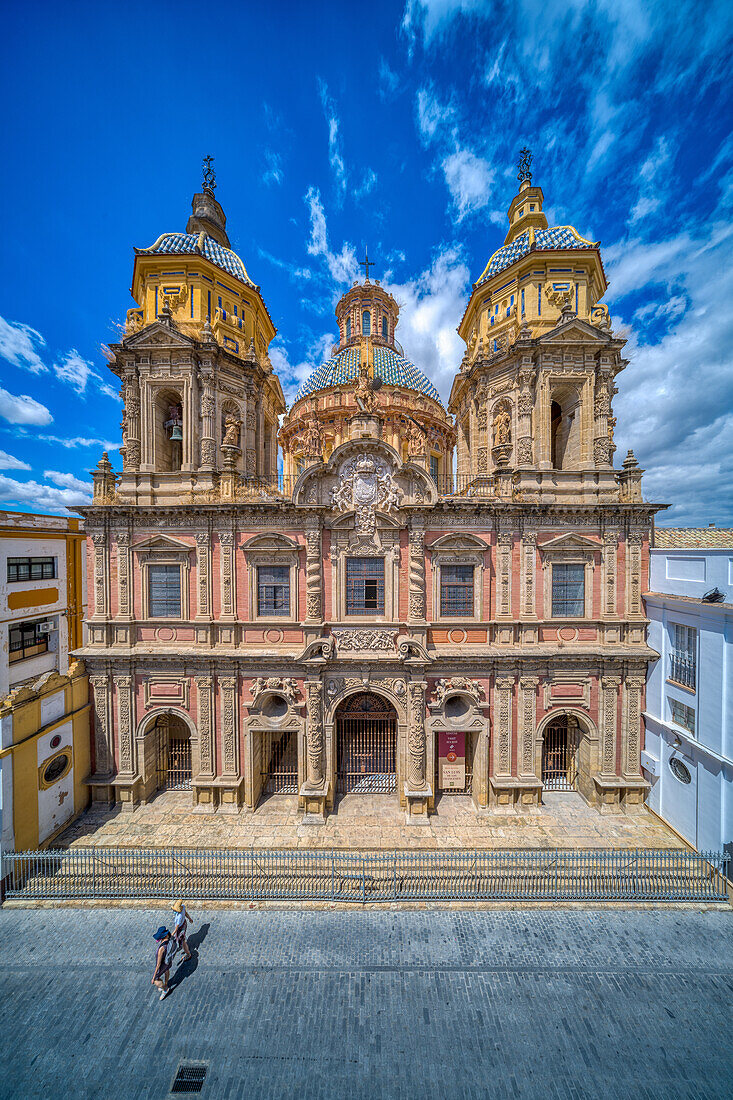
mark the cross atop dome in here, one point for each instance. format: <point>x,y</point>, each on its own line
<point>366,263</point>
<point>209,183</point>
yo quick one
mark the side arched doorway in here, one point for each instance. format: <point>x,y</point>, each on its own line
<point>173,753</point>
<point>366,745</point>
<point>560,751</point>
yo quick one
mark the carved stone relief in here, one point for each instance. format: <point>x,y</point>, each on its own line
<point>449,686</point>
<point>528,704</point>
<point>416,738</point>
<point>361,640</point>
<point>503,725</point>
<point>230,754</point>
<point>205,726</point>
<point>315,763</point>
<point>102,740</point>
<point>125,721</point>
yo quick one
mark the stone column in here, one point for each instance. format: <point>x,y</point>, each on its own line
<point>608,710</point>
<point>207,757</point>
<point>315,766</point>
<point>525,404</point>
<point>528,724</point>
<point>416,570</point>
<point>505,542</point>
<point>529,572</point>
<point>260,438</point>
<point>208,425</point>
<point>101,574</point>
<point>313,572</point>
<point>103,748</point>
<point>125,726</point>
<point>229,743</point>
<point>601,413</point>
<point>203,575</point>
<point>226,566</point>
<point>633,573</point>
<point>632,746</point>
<point>503,689</point>
<point>251,455</point>
<point>416,738</point>
<point>610,549</point>
<point>131,457</point>
<point>124,600</point>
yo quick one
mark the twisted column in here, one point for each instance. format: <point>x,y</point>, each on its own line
<point>315,768</point>
<point>416,738</point>
<point>417,573</point>
<point>313,580</point>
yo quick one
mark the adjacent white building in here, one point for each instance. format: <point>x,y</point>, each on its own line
<point>688,753</point>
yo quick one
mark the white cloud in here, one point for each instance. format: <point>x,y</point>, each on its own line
<point>68,481</point>
<point>292,374</point>
<point>342,266</point>
<point>73,441</point>
<point>75,371</point>
<point>335,153</point>
<point>368,182</point>
<point>389,82</point>
<point>41,498</point>
<point>435,119</point>
<point>19,345</point>
<point>652,190</point>
<point>274,170</point>
<point>22,409</point>
<point>295,273</point>
<point>427,18</point>
<point>469,179</point>
<point>9,462</point>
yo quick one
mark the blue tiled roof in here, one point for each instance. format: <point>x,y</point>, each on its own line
<point>392,368</point>
<point>177,244</point>
<point>558,237</point>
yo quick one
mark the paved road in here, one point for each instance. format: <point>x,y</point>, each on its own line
<point>371,1004</point>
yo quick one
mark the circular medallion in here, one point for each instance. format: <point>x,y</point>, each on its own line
<point>166,634</point>
<point>55,741</point>
<point>56,768</point>
<point>457,636</point>
<point>568,634</point>
<point>680,770</point>
<point>274,636</point>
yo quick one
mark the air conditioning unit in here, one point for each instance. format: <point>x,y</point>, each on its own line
<point>45,628</point>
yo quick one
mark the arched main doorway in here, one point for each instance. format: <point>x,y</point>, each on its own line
<point>173,753</point>
<point>366,745</point>
<point>560,753</point>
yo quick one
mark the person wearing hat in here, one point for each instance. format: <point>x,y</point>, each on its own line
<point>162,963</point>
<point>179,926</point>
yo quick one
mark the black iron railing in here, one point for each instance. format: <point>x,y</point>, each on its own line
<point>682,669</point>
<point>659,875</point>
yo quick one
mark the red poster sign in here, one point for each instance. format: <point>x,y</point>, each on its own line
<point>451,760</point>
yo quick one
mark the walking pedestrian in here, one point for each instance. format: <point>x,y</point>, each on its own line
<point>179,926</point>
<point>162,962</point>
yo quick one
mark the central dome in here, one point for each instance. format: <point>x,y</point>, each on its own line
<point>387,364</point>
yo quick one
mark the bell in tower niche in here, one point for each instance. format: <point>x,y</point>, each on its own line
<point>174,424</point>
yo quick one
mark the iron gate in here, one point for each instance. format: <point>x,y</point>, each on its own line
<point>560,758</point>
<point>366,746</point>
<point>174,762</point>
<point>279,762</point>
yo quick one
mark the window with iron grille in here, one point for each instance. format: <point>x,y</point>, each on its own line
<point>568,590</point>
<point>456,590</point>
<point>165,591</point>
<point>27,640</point>
<point>682,715</point>
<point>434,468</point>
<point>364,586</point>
<point>683,658</point>
<point>273,590</point>
<point>31,569</point>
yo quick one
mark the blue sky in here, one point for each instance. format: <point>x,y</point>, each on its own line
<point>395,126</point>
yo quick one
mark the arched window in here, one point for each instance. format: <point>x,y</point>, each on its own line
<point>348,328</point>
<point>366,322</point>
<point>384,325</point>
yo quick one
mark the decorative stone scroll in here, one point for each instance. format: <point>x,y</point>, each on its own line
<point>417,573</point>
<point>205,726</point>
<point>503,726</point>
<point>315,765</point>
<point>103,754</point>
<point>313,577</point>
<point>285,685</point>
<point>609,698</point>
<point>632,756</point>
<point>359,641</point>
<point>125,721</point>
<point>416,738</point>
<point>457,684</point>
<point>230,755</point>
<point>528,708</point>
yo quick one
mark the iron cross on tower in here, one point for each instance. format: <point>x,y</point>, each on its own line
<point>209,174</point>
<point>366,263</point>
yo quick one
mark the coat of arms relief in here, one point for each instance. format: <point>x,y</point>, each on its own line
<point>365,486</point>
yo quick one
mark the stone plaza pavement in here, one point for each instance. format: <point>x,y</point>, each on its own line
<point>368,822</point>
<point>439,1004</point>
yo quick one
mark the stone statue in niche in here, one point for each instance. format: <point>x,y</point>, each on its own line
<point>364,394</point>
<point>502,427</point>
<point>415,439</point>
<point>312,437</point>
<point>232,424</point>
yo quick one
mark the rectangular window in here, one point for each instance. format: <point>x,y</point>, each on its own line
<point>155,289</point>
<point>209,312</point>
<point>27,640</point>
<point>434,468</point>
<point>682,716</point>
<point>683,658</point>
<point>522,301</point>
<point>273,590</point>
<point>31,569</point>
<point>364,586</point>
<point>192,301</point>
<point>164,591</point>
<point>568,591</point>
<point>539,299</point>
<point>456,590</point>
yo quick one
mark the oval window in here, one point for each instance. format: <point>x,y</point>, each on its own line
<point>55,741</point>
<point>456,707</point>
<point>56,768</point>
<point>275,707</point>
<point>680,770</point>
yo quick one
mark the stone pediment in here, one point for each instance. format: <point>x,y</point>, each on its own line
<point>157,335</point>
<point>569,542</point>
<point>365,477</point>
<point>270,542</point>
<point>575,331</point>
<point>162,543</point>
<point>452,543</point>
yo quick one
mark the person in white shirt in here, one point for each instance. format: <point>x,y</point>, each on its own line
<point>179,926</point>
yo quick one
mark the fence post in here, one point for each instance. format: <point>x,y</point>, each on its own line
<point>363,880</point>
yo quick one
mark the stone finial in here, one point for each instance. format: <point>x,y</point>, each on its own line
<point>104,479</point>
<point>207,332</point>
<point>630,462</point>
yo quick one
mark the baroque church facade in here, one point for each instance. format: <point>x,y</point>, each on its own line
<point>417,601</point>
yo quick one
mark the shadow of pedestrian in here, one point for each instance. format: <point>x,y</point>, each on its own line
<point>188,966</point>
